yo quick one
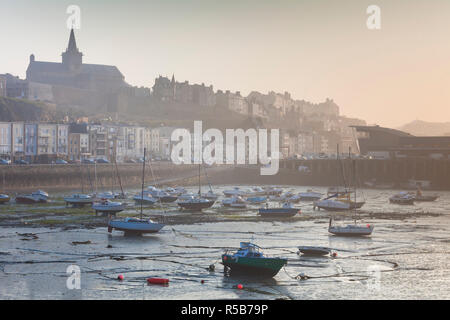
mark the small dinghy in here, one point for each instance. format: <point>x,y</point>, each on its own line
<point>134,225</point>
<point>314,251</point>
<point>36,197</point>
<point>250,260</point>
<point>108,207</point>
<point>285,211</point>
<point>351,230</point>
<point>79,200</point>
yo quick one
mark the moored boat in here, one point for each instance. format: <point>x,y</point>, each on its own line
<point>35,197</point>
<point>404,198</point>
<point>285,211</point>
<point>4,198</point>
<point>310,195</point>
<point>196,203</point>
<point>108,207</point>
<point>134,225</point>
<point>314,251</point>
<point>79,200</point>
<point>234,202</point>
<point>145,198</point>
<point>250,260</point>
<point>350,230</point>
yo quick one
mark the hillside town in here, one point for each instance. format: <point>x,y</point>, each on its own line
<point>305,128</point>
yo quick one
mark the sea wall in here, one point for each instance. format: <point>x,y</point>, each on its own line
<point>87,177</point>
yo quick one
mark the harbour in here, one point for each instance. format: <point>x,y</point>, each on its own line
<point>406,257</point>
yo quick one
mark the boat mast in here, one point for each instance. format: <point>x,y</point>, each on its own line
<point>118,177</point>
<point>143,177</point>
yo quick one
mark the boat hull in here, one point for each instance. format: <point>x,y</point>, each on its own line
<point>278,212</point>
<point>197,206</point>
<point>134,227</point>
<point>263,267</point>
<point>29,200</point>
<point>357,232</point>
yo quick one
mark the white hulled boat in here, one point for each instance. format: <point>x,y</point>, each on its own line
<point>36,197</point>
<point>108,206</point>
<point>350,229</point>
<point>79,199</point>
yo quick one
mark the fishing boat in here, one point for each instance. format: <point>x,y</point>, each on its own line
<point>4,198</point>
<point>79,200</point>
<point>160,195</point>
<point>350,229</point>
<point>403,198</point>
<point>314,251</point>
<point>234,202</point>
<point>285,211</point>
<point>35,197</point>
<point>109,207</point>
<point>249,259</point>
<point>310,195</point>
<point>136,225</point>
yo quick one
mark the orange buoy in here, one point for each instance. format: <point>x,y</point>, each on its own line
<point>334,254</point>
<point>120,277</point>
<point>158,281</point>
<point>240,286</point>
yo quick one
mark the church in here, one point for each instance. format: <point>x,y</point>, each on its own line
<point>72,72</point>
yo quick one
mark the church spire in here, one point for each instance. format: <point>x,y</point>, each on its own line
<point>72,58</point>
<point>72,42</point>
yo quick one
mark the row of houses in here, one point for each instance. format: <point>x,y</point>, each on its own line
<point>46,142</point>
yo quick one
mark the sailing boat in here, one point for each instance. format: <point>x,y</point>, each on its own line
<point>196,203</point>
<point>79,199</point>
<point>136,225</point>
<point>210,195</point>
<point>338,200</point>
<point>351,229</point>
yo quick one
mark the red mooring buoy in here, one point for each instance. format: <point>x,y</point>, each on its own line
<point>120,277</point>
<point>158,281</point>
<point>240,286</point>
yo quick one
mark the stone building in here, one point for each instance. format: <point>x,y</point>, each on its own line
<point>72,72</point>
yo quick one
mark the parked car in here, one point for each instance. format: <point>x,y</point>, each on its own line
<point>4,161</point>
<point>21,161</point>
<point>102,160</point>
<point>88,161</point>
<point>61,161</point>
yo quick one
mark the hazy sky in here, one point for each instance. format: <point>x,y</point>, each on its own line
<point>313,49</point>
